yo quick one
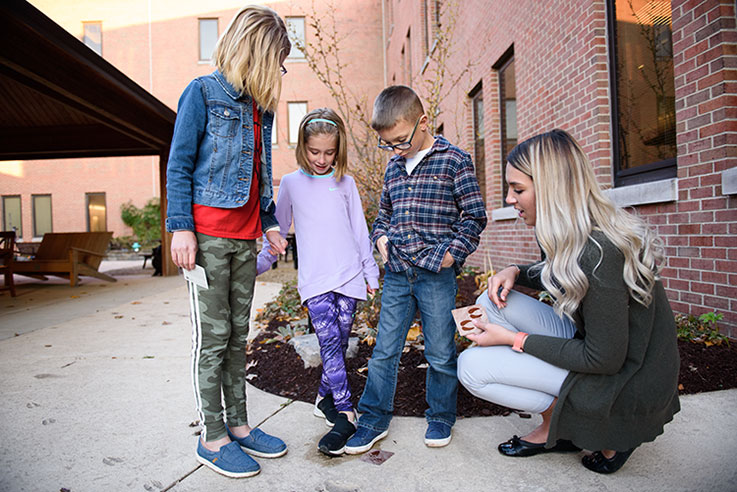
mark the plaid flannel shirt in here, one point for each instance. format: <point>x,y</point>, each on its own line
<point>437,208</point>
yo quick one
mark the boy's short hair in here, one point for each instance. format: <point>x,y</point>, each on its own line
<point>395,103</point>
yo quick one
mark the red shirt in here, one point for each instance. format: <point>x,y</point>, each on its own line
<point>242,222</point>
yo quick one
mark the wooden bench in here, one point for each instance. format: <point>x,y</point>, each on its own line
<point>68,255</point>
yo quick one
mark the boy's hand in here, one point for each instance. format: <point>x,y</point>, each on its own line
<point>277,244</point>
<point>383,250</point>
<point>447,261</point>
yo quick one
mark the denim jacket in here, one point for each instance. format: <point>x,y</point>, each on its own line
<point>211,158</point>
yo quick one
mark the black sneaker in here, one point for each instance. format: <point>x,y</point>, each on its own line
<point>325,409</point>
<point>333,443</point>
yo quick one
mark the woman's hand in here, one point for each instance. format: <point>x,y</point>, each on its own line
<point>492,335</point>
<point>277,244</point>
<point>504,279</point>
<point>184,249</point>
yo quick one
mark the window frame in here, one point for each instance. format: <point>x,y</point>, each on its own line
<point>476,95</point>
<point>199,37</point>
<point>6,227</point>
<point>87,207</point>
<point>289,122</point>
<point>33,214</point>
<point>645,173</point>
<point>85,37</point>
<point>298,54</point>
<point>503,63</point>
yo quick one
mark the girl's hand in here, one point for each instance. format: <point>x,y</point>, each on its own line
<point>277,244</point>
<point>370,290</point>
<point>504,279</point>
<point>383,250</point>
<point>184,249</point>
<point>492,335</point>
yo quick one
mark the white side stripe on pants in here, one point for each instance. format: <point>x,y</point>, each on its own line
<point>194,309</point>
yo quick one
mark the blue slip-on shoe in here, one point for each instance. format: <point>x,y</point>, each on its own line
<point>437,435</point>
<point>230,460</point>
<point>363,439</point>
<point>259,443</point>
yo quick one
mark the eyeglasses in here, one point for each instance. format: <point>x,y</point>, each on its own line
<point>400,146</point>
<point>283,71</point>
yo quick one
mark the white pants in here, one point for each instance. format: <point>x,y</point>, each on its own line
<point>512,379</point>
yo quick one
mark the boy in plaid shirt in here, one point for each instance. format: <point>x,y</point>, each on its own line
<point>430,218</point>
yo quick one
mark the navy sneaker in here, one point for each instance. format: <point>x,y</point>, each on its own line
<point>325,409</point>
<point>258,443</point>
<point>230,460</point>
<point>437,435</point>
<point>333,443</point>
<point>363,439</point>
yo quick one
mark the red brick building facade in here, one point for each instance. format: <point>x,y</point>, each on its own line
<point>648,87</point>
<point>578,65</point>
<point>162,45</point>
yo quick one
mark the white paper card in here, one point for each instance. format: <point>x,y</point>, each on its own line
<point>196,276</point>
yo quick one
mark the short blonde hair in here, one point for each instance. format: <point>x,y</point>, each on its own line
<point>323,121</point>
<point>250,51</point>
<point>395,103</point>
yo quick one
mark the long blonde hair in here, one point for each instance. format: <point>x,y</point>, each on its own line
<point>249,54</point>
<point>569,205</point>
<point>323,121</point>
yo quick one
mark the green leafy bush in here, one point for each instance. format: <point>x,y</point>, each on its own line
<point>702,329</point>
<point>145,222</point>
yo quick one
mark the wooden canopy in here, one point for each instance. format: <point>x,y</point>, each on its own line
<point>60,99</point>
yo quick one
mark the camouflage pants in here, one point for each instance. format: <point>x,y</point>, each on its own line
<point>220,322</point>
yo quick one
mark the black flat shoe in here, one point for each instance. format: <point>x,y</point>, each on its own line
<point>598,463</point>
<point>521,448</point>
<point>333,443</point>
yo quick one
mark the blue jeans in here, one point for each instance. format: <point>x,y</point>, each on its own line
<point>434,294</point>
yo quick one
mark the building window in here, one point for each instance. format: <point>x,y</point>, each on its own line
<point>96,212</point>
<point>643,90</point>
<point>208,38</point>
<point>296,28</point>
<point>296,111</point>
<point>507,112</point>
<point>12,215</point>
<point>42,222</point>
<point>426,29</point>
<point>273,131</point>
<point>93,36</point>
<point>408,41</point>
<point>479,159</point>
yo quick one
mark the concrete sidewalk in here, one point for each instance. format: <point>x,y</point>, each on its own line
<point>101,400</point>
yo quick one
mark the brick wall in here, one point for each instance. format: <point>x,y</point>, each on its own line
<point>156,45</point>
<point>562,80</point>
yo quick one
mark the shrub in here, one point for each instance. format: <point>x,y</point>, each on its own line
<point>703,329</point>
<point>145,222</point>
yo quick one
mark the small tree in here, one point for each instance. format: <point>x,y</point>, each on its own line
<point>323,56</point>
<point>145,222</point>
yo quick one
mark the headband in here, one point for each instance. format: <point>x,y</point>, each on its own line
<point>323,120</point>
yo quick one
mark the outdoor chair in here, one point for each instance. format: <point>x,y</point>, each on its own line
<point>68,255</point>
<point>7,260</point>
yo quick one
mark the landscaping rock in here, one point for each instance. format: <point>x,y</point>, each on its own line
<point>308,349</point>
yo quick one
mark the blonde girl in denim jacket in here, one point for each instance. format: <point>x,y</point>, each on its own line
<point>219,202</point>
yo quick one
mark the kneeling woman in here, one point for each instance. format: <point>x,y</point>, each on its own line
<point>601,365</point>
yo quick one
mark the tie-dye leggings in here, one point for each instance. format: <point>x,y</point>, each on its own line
<point>332,318</point>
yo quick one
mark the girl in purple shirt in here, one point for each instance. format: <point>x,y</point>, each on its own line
<point>336,263</point>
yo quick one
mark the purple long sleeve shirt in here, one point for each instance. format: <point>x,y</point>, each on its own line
<point>335,253</point>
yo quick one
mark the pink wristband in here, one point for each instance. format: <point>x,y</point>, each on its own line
<point>519,339</point>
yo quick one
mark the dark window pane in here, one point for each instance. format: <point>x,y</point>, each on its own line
<point>645,93</point>
<point>508,111</point>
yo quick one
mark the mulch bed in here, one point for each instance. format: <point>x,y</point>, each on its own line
<point>276,368</point>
